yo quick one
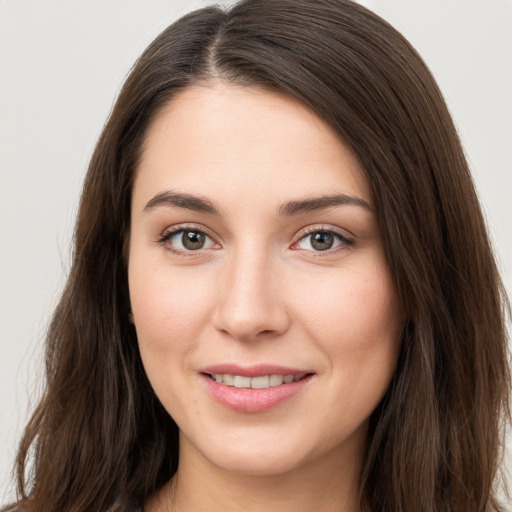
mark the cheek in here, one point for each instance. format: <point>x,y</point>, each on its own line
<point>169,308</point>
<point>355,319</point>
<point>353,310</point>
<point>169,316</point>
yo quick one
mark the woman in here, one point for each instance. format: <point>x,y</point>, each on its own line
<point>282,295</point>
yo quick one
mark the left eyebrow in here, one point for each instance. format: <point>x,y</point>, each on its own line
<point>320,203</point>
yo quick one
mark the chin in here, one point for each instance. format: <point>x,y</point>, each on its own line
<point>261,464</point>
<point>258,457</point>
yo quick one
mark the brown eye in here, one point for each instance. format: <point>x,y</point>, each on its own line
<point>187,240</point>
<point>322,241</point>
<point>193,240</point>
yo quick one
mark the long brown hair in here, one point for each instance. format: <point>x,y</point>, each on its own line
<point>100,440</point>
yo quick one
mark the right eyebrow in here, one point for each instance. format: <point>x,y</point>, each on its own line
<point>187,201</point>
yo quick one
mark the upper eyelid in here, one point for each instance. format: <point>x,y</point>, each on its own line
<point>172,230</point>
<point>342,238</point>
<point>344,233</point>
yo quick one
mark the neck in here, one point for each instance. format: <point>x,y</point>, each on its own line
<point>330,484</point>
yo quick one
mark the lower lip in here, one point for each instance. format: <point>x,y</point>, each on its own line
<point>253,400</point>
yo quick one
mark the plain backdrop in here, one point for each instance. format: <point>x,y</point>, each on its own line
<point>61,65</point>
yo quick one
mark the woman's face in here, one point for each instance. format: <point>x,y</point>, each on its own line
<point>255,260</point>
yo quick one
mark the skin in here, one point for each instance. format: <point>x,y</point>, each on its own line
<point>260,292</point>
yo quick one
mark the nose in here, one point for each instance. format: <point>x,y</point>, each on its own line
<point>251,298</point>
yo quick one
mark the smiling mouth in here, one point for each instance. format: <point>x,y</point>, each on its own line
<point>259,382</point>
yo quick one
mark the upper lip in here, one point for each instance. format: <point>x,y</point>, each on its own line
<point>253,370</point>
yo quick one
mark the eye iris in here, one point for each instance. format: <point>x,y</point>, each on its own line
<point>322,241</point>
<point>193,240</point>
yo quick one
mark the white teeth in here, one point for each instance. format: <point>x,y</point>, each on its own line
<point>260,382</point>
<point>276,380</point>
<point>228,379</point>
<point>242,382</point>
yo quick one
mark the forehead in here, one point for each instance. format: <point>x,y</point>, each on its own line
<point>226,140</point>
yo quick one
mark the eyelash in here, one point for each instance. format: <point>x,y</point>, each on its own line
<point>344,241</point>
<point>168,235</point>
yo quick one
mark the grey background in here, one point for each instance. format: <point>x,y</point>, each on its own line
<point>61,65</point>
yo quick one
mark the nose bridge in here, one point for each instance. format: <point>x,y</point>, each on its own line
<point>250,302</point>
